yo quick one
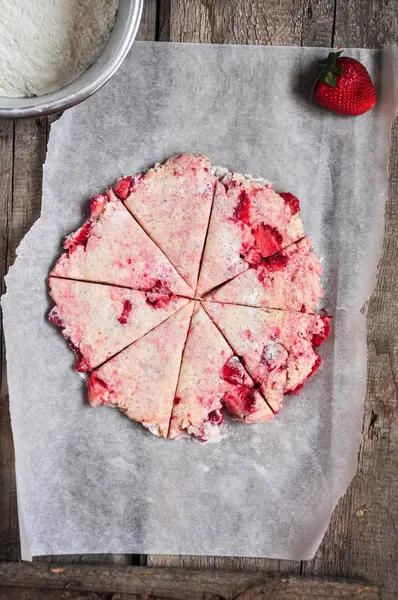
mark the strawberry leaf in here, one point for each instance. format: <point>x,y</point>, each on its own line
<point>330,79</point>
<point>329,69</point>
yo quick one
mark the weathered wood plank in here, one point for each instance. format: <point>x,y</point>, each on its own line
<point>267,565</point>
<point>292,589</point>
<point>29,155</point>
<point>8,517</point>
<point>8,593</point>
<point>370,24</point>
<point>318,23</point>
<point>296,22</point>
<point>178,583</point>
<point>21,210</point>
<point>29,594</point>
<point>147,30</point>
<point>59,560</point>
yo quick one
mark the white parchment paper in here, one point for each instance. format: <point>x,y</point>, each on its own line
<point>89,480</point>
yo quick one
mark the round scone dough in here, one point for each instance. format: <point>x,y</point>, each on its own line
<point>188,294</point>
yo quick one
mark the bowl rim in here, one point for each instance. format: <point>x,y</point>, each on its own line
<point>78,90</point>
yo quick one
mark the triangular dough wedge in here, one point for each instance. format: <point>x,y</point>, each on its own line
<point>100,320</point>
<point>172,202</point>
<point>141,381</point>
<point>290,280</point>
<point>249,222</point>
<point>212,378</point>
<point>276,347</point>
<point>112,248</point>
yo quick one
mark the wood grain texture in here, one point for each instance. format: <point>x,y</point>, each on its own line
<point>8,516</point>
<point>302,589</point>
<point>266,565</point>
<point>147,30</point>
<point>29,154</point>
<point>318,23</point>
<point>43,594</point>
<point>179,583</point>
<point>59,560</point>
<point>366,24</point>
<point>292,22</point>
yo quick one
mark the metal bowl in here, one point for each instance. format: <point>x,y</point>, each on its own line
<point>119,43</point>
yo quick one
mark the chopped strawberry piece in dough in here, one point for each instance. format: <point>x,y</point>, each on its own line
<point>292,201</point>
<point>125,185</point>
<point>268,240</point>
<point>127,306</point>
<point>233,371</point>
<point>242,211</point>
<point>244,402</point>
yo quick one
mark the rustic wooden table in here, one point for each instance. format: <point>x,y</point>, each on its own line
<point>362,540</point>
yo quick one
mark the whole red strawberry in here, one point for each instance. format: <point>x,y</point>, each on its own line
<point>344,85</point>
